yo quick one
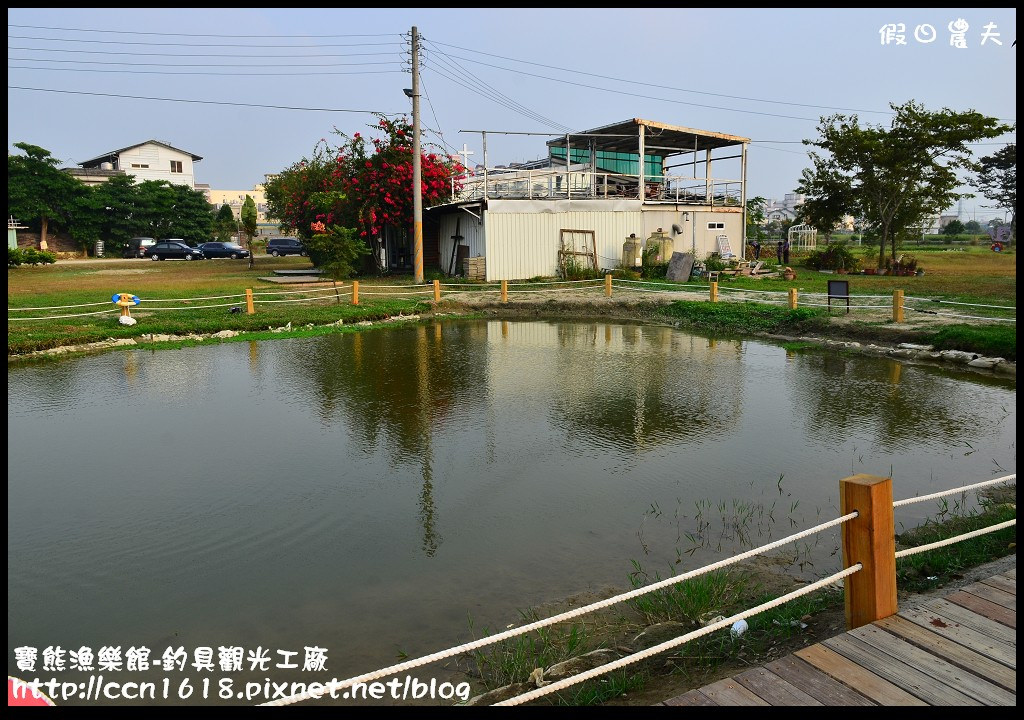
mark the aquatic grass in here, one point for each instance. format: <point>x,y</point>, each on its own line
<point>989,340</point>
<point>688,601</point>
<point>730,318</point>
<point>513,660</point>
<point>598,691</point>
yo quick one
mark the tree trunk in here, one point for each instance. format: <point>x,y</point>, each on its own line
<point>42,234</point>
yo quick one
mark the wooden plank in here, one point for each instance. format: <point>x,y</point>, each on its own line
<point>730,692</point>
<point>769,686</point>
<point>1000,597</point>
<point>950,651</point>
<point>690,699</point>
<point>1011,573</point>
<point>1003,583</point>
<point>968,637</point>
<point>984,607</point>
<point>934,666</point>
<point>972,620</point>
<point>864,681</point>
<point>816,683</point>
<point>924,686</point>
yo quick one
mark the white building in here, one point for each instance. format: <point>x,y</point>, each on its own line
<point>523,220</point>
<point>149,160</point>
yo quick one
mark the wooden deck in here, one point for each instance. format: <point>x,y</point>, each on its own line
<point>957,650</point>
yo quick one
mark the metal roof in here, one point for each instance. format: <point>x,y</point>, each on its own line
<point>114,153</point>
<point>659,138</point>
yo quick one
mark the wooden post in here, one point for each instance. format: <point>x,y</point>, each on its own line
<point>504,291</point>
<point>355,292</point>
<point>249,307</point>
<point>897,306</point>
<point>608,285</point>
<point>868,539</point>
<point>714,292</point>
<point>792,298</point>
<point>437,291</point>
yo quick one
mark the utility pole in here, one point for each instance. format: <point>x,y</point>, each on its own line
<point>417,183</point>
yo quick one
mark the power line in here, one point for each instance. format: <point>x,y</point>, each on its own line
<point>448,58</point>
<point>224,74</point>
<point>204,102</point>
<point>654,85</point>
<point>136,32</point>
<point>648,97</point>
<point>192,54</point>
<point>146,42</point>
<point>437,122</point>
<point>149,64</point>
<point>447,76</point>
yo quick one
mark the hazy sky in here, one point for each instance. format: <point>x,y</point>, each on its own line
<point>764,74</point>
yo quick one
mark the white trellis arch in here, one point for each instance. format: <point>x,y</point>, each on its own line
<point>803,237</point>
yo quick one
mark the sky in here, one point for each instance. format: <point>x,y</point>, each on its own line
<point>253,90</point>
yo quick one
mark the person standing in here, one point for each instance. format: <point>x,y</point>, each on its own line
<point>778,251</point>
<point>785,252</point>
<point>757,249</point>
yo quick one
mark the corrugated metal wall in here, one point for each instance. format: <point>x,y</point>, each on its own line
<point>523,237</point>
<point>469,227</point>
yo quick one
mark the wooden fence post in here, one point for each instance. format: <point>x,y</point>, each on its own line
<point>897,306</point>
<point>504,291</point>
<point>355,292</point>
<point>249,307</point>
<point>437,291</point>
<point>868,539</point>
<point>792,298</point>
<point>714,292</point>
<point>608,285</point>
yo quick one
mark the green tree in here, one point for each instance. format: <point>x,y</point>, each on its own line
<point>108,212</point>
<point>37,191</point>
<point>755,218</point>
<point>225,225</point>
<point>249,224</point>
<point>164,210</point>
<point>955,227</point>
<point>997,180</point>
<point>972,227</point>
<point>895,177</point>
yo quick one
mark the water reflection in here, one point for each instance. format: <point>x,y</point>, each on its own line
<point>268,487</point>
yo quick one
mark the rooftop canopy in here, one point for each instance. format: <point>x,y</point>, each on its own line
<point>659,138</point>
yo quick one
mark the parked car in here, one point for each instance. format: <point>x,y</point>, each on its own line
<point>285,246</point>
<point>137,247</point>
<point>223,250</point>
<point>174,249</point>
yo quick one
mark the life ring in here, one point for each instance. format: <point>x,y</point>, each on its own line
<point>997,247</point>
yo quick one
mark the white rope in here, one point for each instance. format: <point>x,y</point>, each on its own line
<point>312,299</point>
<point>400,294</point>
<point>954,491</point>
<point>56,317</point>
<point>748,290</point>
<point>568,615</point>
<point>953,302</point>
<point>953,314</point>
<point>655,290</point>
<point>592,287</point>
<point>468,292</point>
<point>189,307</point>
<point>209,297</point>
<point>665,284</point>
<point>557,282</point>
<point>296,292</point>
<point>958,538</point>
<point>852,306</point>
<point>675,642</point>
<point>54,307</point>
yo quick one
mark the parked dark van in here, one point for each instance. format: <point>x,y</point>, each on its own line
<point>136,247</point>
<point>285,246</point>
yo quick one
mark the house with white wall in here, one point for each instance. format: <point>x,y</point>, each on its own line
<point>149,160</point>
<point>691,185</point>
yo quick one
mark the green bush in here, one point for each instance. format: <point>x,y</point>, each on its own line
<point>834,256</point>
<point>714,262</point>
<point>575,269</point>
<point>29,256</point>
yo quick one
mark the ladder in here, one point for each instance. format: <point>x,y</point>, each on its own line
<point>724,249</point>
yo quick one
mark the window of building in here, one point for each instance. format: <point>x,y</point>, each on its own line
<point>716,226</point>
<point>137,165</point>
<point>176,166</point>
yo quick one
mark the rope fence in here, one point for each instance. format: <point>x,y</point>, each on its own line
<point>561,617</point>
<point>714,290</point>
<point>863,546</point>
